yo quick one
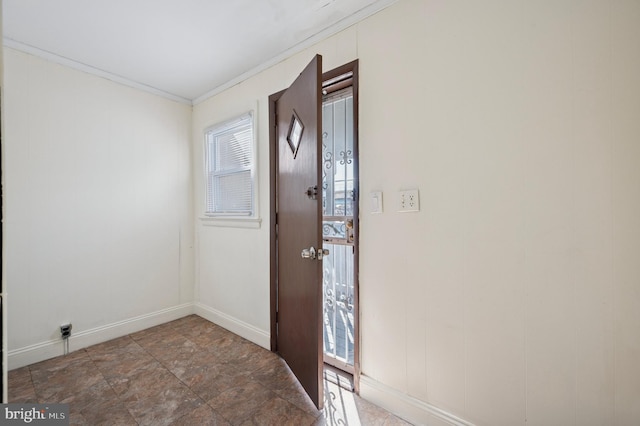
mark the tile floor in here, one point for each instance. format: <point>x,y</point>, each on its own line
<point>186,372</point>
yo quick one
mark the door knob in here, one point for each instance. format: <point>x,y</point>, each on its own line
<point>312,253</point>
<point>309,253</point>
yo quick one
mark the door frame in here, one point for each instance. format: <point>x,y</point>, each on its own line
<point>351,67</point>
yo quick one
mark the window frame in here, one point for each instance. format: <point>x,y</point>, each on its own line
<point>233,219</point>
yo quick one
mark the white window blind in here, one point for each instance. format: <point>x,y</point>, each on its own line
<point>230,168</point>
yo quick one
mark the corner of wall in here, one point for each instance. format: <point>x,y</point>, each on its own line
<point>241,328</point>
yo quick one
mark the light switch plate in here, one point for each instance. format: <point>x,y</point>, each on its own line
<point>376,202</point>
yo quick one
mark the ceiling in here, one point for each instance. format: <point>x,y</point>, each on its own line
<point>183,49</point>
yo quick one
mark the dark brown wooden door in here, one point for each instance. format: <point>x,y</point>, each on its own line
<point>299,220</point>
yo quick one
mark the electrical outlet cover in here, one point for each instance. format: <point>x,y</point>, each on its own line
<point>409,201</point>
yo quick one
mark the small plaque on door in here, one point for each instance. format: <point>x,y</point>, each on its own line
<point>294,136</point>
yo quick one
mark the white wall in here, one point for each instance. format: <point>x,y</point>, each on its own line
<point>521,299</point>
<point>99,224</point>
<point>514,295</point>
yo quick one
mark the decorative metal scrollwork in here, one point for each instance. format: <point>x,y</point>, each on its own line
<point>328,164</point>
<point>334,229</point>
<point>328,160</point>
<point>347,157</point>
<point>329,299</point>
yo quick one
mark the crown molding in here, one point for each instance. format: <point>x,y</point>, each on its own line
<point>49,56</point>
<point>341,25</point>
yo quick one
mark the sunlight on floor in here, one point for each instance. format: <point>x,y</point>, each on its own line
<point>345,408</point>
<point>340,406</point>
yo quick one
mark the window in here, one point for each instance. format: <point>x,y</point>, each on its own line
<point>230,168</point>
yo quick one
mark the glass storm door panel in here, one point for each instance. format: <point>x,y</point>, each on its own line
<point>338,180</point>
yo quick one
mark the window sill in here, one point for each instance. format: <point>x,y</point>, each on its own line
<point>232,222</point>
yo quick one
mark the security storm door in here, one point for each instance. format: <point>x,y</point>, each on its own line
<point>299,246</point>
<point>340,221</point>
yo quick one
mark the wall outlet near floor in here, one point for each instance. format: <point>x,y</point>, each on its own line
<point>409,201</point>
<point>65,330</point>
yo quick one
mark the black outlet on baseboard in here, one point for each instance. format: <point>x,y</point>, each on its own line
<point>65,330</point>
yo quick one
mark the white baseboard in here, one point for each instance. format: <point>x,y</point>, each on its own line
<point>407,407</point>
<point>41,351</point>
<point>241,328</point>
